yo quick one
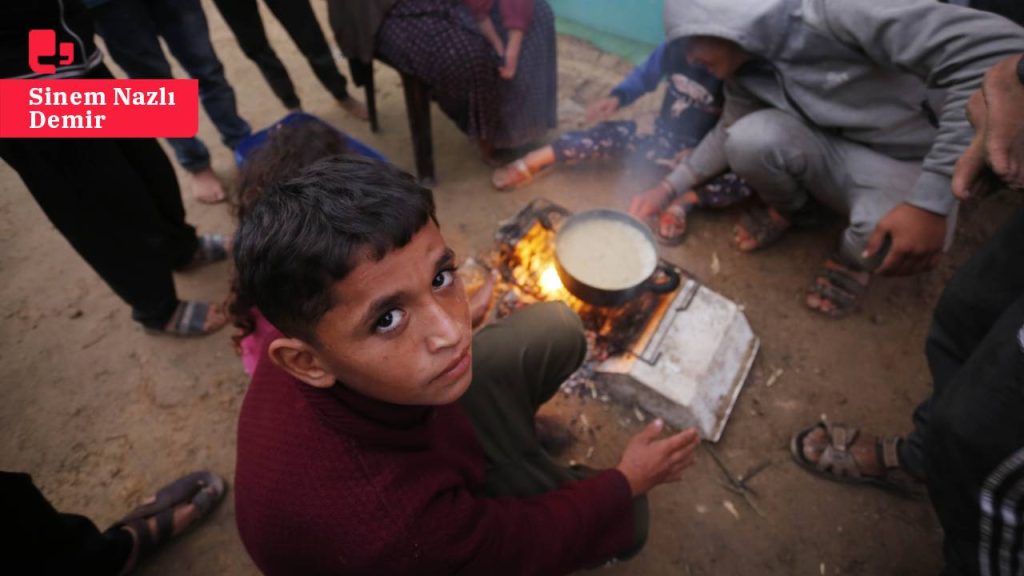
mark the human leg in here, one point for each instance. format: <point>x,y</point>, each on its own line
<point>48,542</point>
<point>243,17</point>
<point>97,197</point>
<point>182,25</point>
<point>300,22</point>
<point>604,141</point>
<point>132,37</point>
<point>971,303</point>
<point>518,365</point>
<point>974,482</point>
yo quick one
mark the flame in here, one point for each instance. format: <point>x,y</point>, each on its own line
<point>550,283</point>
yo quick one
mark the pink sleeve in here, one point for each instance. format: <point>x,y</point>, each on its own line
<point>479,8</point>
<point>516,14</point>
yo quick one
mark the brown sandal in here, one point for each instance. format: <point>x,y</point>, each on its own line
<point>838,464</point>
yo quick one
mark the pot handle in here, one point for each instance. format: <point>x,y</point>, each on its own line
<point>669,282</point>
<point>544,215</point>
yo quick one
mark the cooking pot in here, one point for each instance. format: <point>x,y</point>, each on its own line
<point>588,243</point>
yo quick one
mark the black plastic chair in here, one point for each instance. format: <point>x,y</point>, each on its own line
<point>417,108</point>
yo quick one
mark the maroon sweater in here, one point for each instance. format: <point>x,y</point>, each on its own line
<point>333,482</point>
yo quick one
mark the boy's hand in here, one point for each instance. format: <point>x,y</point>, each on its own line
<point>649,461</point>
<point>917,238</point>
<point>602,109</point>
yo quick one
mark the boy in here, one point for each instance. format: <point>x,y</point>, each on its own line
<point>379,436</point>
<point>826,102</point>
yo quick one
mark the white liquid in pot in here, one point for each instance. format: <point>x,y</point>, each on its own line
<point>606,253</point>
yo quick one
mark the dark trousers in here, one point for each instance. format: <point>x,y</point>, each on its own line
<point>974,421</point>
<point>300,22</point>
<point>132,30</point>
<point>45,542</point>
<point>518,365</point>
<point>117,202</point>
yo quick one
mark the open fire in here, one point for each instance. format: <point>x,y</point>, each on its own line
<point>682,355</point>
<point>525,259</point>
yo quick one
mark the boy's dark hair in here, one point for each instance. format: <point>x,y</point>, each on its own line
<point>301,236</point>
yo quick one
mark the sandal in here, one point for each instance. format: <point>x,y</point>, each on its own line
<point>763,225</point>
<point>838,464</point>
<point>515,175</point>
<point>189,319</point>
<point>212,248</point>
<point>203,490</point>
<point>672,218</point>
<point>840,286</point>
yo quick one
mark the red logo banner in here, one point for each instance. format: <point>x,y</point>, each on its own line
<point>99,108</point>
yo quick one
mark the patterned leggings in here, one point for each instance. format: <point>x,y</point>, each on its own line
<point>618,139</point>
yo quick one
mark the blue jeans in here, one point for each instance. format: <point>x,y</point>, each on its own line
<point>132,30</point>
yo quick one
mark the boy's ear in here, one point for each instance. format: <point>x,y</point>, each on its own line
<point>300,360</point>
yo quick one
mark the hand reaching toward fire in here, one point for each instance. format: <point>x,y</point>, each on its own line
<point>649,461</point>
<point>651,201</point>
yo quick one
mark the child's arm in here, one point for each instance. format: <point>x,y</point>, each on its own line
<point>516,16</point>
<point>643,79</point>
<point>481,11</point>
<point>515,44</point>
<point>491,33</point>
<point>580,525</point>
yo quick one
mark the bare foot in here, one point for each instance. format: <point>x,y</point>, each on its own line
<point>206,187</point>
<point>355,108</point>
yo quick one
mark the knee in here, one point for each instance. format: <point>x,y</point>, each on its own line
<point>561,328</point>
<point>760,140</point>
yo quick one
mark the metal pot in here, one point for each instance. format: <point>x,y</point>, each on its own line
<point>659,277</point>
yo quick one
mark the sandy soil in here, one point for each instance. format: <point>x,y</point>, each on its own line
<point>100,414</point>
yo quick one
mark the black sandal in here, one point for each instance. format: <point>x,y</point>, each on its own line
<point>838,284</point>
<point>202,489</point>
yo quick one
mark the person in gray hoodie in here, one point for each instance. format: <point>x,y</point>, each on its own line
<point>827,104</point>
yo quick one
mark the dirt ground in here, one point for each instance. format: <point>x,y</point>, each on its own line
<point>101,414</point>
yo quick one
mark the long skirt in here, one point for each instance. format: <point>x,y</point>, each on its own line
<point>438,42</point>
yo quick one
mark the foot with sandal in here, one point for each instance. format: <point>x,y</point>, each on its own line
<point>194,317</point>
<point>167,514</point>
<point>846,454</point>
<point>836,291</point>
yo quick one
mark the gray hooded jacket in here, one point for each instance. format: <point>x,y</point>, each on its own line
<point>856,68</point>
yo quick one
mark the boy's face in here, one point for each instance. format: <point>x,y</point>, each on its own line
<point>400,329</point>
<point>720,57</point>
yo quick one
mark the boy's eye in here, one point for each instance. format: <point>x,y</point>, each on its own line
<point>389,321</point>
<point>443,279</point>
